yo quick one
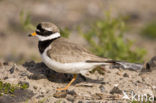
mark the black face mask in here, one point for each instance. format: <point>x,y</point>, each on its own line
<point>43,32</point>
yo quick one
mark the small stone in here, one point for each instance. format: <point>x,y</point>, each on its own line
<point>152,62</point>
<point>108,71</point>
<point>42,91</point>
<point>97,96</point>
<point>48,91</point>
<point>84,85</point>
<point>35,87</point>
<point>40,96</point>
<point>138,81</point>
<point>5,63</point>
<point>24,74</point>
<point>12,69</point>
<point>80,102</point>
<point>24,83</point>
<point>121,78</point>
<point>62,94</point>
<point>70,98</point>
<point>154,87</point>
<point>116,85</point>
<point>5,78</point>
<point>102,88</point>
<point>72,92</point>
<point>116,90</point>
<point>125,75</point>
<point>118,73</point>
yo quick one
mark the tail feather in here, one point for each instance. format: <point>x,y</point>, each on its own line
<point>130,66</point>
<point>106,61</point>
<point>120,64</point>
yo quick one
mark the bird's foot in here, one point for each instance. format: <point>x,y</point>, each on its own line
<point>62,89</point>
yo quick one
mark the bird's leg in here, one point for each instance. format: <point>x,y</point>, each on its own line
<point>65,88</point>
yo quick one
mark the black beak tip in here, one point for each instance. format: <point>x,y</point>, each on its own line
<point>29,35</point>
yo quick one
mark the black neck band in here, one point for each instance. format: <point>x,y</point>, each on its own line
<point>42,45</point>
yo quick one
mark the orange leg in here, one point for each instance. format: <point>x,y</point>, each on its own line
<point>65,88</point>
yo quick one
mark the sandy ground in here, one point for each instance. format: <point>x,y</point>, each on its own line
<point>93,88</point>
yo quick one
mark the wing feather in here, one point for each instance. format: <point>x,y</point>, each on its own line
<point>64,51</point>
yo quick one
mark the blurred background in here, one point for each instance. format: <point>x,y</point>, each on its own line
<point>118,29</point>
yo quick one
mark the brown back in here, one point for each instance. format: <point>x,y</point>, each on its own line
<point>64,51</point>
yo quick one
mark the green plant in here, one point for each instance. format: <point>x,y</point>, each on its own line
<point>106,39</point>
<point>7,88</point>
<point>149,30</point>
<point>24,86</point>
<point>65,32</point>
<point>26,21</point>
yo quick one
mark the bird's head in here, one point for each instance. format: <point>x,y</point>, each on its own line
<point>46,31</point>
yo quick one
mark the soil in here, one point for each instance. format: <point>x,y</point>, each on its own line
<point>92,87</point>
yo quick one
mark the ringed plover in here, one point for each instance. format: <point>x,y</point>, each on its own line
<point>64,56</point>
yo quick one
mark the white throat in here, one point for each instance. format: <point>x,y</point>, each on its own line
<point>53,36</point>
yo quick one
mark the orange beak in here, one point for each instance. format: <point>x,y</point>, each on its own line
<point>33,34</point>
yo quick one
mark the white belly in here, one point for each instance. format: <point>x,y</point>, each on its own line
<point>73,68</point>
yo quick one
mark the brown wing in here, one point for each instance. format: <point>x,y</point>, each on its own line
<point>64,51</point>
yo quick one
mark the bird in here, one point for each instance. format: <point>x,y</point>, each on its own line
<point>62,55</point>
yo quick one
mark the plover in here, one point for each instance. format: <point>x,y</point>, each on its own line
<point>64,56</point>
